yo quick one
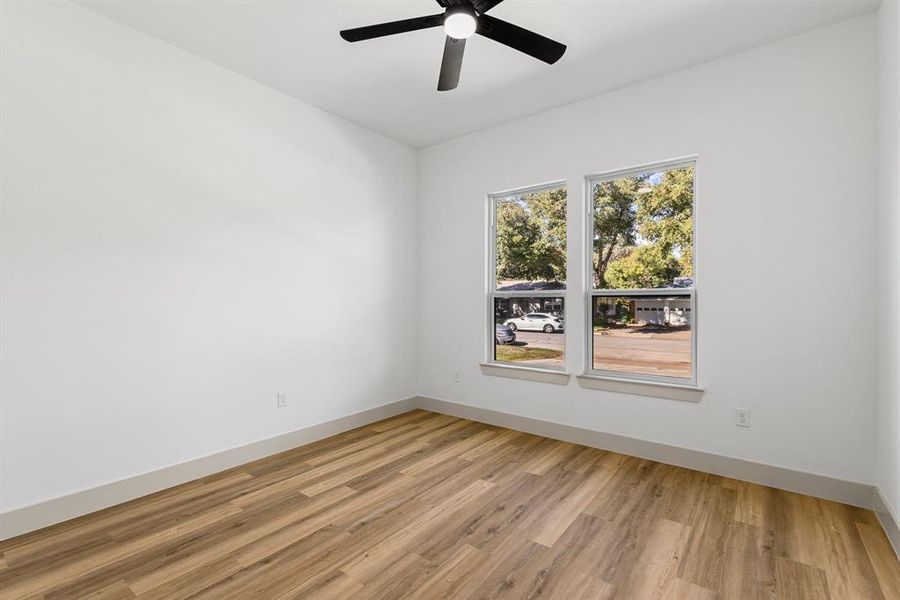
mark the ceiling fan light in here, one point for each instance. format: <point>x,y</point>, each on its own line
<point>459,25</point>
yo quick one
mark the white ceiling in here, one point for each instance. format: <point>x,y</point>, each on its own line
<point>388,84</point>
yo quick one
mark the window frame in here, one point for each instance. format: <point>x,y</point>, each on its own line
<point>491,283</point>
<point>590,292</point>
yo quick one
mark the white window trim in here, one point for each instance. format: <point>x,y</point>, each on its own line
<point>621,377</point>
<point>491,280</point>
<point>539,374</point>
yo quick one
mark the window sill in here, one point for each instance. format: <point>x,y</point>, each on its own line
<point>671,391</point>
<point>527,373</point>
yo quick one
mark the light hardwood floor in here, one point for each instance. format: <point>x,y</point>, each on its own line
<point>429,506</point>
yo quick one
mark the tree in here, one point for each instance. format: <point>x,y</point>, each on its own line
<point>643,267</point>
<point>615,216</point>
<point>666,216</point>
<point>643,230</point>
<point>531,237</point>
<point>517,235</point>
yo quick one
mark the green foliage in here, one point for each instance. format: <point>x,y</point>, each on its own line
<point>643,230</point>
<point>643,267</point>
<point>615,217</point>
<point>531,237</point>
<point>665,216</point>
<point>602,319</point>
<point>623,311</point>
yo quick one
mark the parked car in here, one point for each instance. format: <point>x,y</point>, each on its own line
<point>504,334</point>
<point>536,322</point>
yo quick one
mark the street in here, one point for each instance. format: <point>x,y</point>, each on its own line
<point>630,350</point>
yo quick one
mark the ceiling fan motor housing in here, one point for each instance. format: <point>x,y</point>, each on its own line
<point>460,22</point>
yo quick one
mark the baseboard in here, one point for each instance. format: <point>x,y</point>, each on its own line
<point>812,484</point>
<point>37,516</point>
<point>888,519</point>
<point>30,518</point>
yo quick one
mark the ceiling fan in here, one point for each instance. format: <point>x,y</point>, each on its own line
<point>461,19</point>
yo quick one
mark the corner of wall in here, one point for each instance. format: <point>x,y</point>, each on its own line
<point>888,434</point>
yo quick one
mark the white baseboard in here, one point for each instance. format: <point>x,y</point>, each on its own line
<point>30,518</point>
<point>36,516</point>
<point>812,484</point>
<point>888,519</point>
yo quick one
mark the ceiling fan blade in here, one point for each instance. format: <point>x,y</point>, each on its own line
<point>383,29</point>
<point>482,6</point>
<point>515,37</point>
<point>451,65</point>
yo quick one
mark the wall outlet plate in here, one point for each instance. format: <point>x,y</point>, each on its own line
<point>281,399</point>
<point>742,417</point>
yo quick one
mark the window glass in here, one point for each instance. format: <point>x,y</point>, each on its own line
<point>531,241</point>
<point>643,241</point>
<point>537,340</point>
<point>630,337</point>
<point>528,244</point>
<point>643,230</point>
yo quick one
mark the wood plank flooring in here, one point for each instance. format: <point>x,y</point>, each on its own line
<point>429,506</point>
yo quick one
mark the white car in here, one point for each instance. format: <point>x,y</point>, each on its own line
<point>536,322</point>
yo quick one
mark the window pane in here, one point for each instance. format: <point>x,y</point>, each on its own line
<point>644,335</point>
<point>531,241</point>
<point>643,230</point>
<point>526,338</point>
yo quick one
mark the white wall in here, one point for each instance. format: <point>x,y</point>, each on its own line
<point>178,244</point>
<point>888,475</point>
<point>786,139</point>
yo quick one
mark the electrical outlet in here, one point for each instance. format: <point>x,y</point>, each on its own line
<point>456,376</point>
<point>742,417</point>
<point>281,399</point>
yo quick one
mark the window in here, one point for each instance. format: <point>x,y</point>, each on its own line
<point>527,277</point>
<point>642,283</point>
